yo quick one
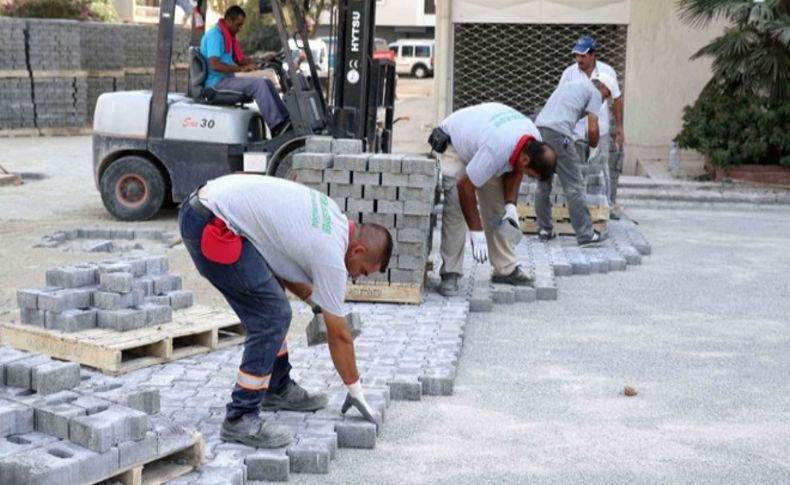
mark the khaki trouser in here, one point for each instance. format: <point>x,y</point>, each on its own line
<point>491,198</point>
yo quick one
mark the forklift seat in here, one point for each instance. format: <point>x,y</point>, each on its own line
<point>198,71</point>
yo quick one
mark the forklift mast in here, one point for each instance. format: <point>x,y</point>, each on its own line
<point>361,84</point>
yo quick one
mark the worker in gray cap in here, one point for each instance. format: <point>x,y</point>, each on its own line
<point>586,66</point>
<point>569,103</point>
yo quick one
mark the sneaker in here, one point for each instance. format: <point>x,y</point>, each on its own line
<point>449,285</point>
<point>596,238</point>
<point>251,430</point>
<point>518,277</point>
<point>544,235</point>
<point>293,397</point>
<point>614,215</point>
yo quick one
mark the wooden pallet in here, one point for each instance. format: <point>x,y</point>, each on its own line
<point>383,292</point>
<point>164,468</point>
<point>193,331</point>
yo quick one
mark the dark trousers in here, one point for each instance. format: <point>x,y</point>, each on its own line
<point>256,296</point>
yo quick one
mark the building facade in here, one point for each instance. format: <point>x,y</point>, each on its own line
<point>514,51</point>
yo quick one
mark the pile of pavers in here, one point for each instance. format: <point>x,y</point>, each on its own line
<point>16,90</point>
<point>394,190</point>
<point>561,256</point>
<point>122,295</point>
<point>105,240</point>
<point>78,428</point>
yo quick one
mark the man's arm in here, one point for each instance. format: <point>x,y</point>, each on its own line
<point>341,347</point>
<point>617,104</point>
<point>301,290</point>
<point>592,129</point>
<point>512,184</point>
<point>219,66</point>
<point>467,196</point>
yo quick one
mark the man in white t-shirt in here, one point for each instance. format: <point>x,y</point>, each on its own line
<point>586,66</point>
<point>253,236</point>
<point>492,146</point>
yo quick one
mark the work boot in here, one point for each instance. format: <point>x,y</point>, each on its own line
<point>253,431</point>
<point>293,397</point>
<point>596,239</point>
<point>449,285</point>
<point>518,277</point>
<point>545,236</point>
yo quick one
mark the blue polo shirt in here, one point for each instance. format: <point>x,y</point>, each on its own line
<point>213,45</point>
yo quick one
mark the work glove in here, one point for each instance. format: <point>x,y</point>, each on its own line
<point>508,226</point>
<point>479,246</point>
<point>356,398</point>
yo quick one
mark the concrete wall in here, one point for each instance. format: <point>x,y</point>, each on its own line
<point>403,13</point>
<point>660,80</point>
<point>541,11</point>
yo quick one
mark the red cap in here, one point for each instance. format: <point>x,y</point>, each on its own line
<point>219,244</point>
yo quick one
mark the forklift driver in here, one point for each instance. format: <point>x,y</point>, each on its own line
<point>224,58</point>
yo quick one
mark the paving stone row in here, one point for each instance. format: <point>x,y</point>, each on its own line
<point>61,426</point>
<point>105,240</point>
<point>123,294</point>
<point>394,190</point>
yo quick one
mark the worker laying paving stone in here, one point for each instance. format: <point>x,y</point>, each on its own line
<point>253,236</point>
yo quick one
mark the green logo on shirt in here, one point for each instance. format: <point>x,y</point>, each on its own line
<point>503,117</point>
<point>320,214</point>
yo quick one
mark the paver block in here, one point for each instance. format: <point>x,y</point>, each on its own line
<point>156,265</point>
<point>437,384</point>
<point>15,418</point>
<point>318,144</point>
<point>308,456</point>
<point>546,292</point>
<point>71,320</point>
<point>73,276</point>
<point>55,376</point>
<point>355,162</point>
<point>156,314</point>
<point>346,145</point>
<point>180,299</point>
<point>54,419</point>
<point>166,283</point>
<point>103,430</point>
<point>356,434</point>
<point>117,282</point>
<point>135,452</point>
<point>503,294</point>
<point>30,316</point>
<point>405,389</point>
<point>19,443</point>
<point>268,465</point>
<point>20,372</point>
<point>121,320</point>
<point>65,299</point>
<point>525,294</point>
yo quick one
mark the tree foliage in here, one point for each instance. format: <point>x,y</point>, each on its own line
<point>753,54</point>
<point>95,10</point>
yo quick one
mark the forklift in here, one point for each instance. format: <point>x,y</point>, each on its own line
<point>153,148</point>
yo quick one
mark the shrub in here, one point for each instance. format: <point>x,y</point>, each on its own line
<point>737,129</point>
<point>98,10</point>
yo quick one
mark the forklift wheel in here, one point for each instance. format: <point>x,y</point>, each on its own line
<point>132,188</point>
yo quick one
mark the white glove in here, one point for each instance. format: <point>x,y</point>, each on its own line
<point>594,151</point>
<point>356,398</point>
<point>479,246</point>
<point>508,226</point>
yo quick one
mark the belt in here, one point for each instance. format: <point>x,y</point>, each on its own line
<point>197,206</point>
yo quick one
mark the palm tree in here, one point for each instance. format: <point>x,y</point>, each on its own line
<point>753,54</point>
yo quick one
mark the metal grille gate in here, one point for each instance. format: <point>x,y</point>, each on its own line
<point>521,64</point>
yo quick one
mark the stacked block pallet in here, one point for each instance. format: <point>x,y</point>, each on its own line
<point>394,190</point>
<point>60,427</point>
<point>53,71</point>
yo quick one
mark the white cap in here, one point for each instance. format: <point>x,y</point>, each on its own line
<point>606,80</point>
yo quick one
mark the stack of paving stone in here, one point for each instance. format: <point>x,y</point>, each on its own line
<point>105,240</point>
<point>394,190</point>
<point>120,295</point>
<point>559,257</point>
<point>102,56</point>
<point>139,44</point>
<point>59,87</point>
<point>16,94</point>
<point>60,427</point>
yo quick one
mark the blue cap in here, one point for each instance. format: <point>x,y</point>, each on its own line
<point>584,45</point>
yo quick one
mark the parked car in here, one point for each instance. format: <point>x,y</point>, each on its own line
<point>413,56</point>
<point>380,49</point>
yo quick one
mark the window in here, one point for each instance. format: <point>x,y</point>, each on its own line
<point>407,51</point>
<point>423,51</point>
<point>430,7</point>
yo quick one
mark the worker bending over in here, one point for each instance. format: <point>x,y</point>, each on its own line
<point>489,148</point>
<point>251,236</point>
<point>224,59</point>
<point>569,103</point>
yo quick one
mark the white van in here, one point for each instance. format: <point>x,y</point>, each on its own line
<point>413,56</point>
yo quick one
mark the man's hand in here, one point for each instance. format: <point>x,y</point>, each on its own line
<point>356,398</point>
<point>479,246</point>
<point>248,68</point>
<point>594,151</point>
<point>619,136</point>
<point>508,227</point>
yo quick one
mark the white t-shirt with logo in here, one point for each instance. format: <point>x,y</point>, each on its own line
<point>574,73</point>
<point>300,232</point>
<point>485,137</point>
